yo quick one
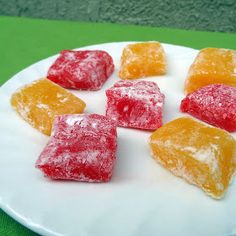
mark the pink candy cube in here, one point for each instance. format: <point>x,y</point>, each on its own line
<point>87,70</point>
<point>214,104</point>
<point>81,148</point>
<point>135,104</point>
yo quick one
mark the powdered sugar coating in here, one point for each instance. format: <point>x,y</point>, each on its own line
<point>40,101</point>
<point>214,104</point>
<point>81,148</point>
<point>87,70</point>
<point>212,66</point>
<point>199,153</point>
<point>142,59</point>
<point>135,104</point>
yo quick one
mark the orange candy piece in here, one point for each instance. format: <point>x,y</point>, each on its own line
<point>199,153</point>
<point>39,102</point>
<point>142,59</point>
<point>212,66</point>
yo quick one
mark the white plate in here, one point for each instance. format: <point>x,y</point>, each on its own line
<point>142,199</point>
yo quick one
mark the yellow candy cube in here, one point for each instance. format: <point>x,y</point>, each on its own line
<point>142,59</point>
<point>39,102</point>
<point>201,154</point>
<point>212,66</point>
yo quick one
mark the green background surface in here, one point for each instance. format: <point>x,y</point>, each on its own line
<point>25,41</point>
<point>210,15</point>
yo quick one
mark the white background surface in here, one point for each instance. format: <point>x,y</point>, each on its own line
<point>142,198</point>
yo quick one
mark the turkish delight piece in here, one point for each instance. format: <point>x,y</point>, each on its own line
<point>142,59</point>
<point>201,154</point>
<point>39,102</point>
<point>81,148</point>
<point>214,104</point>
<point>135,104</point>
<point>212,66</point>
<point>85,70</point>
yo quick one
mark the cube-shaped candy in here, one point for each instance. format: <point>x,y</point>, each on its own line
<point>81,148</point>
<point>142,59</point>
<point>39,102</point>
<point>199,153</point>
<point>212,66</point>
<point>135,104</point>
<point>85,70</point>
<point>214,104</point>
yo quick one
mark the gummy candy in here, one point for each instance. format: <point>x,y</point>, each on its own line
<point>199,153</point>
<point>214,104</point>
<point>212,66</point>
<point>81,148</point>
<point>142,59</point>
<point>39,102</point>
<point>135,104</point>
<point>85,70</point>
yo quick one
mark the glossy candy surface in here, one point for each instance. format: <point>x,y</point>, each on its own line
<point>199,153</point>
<point>142,59</point>
<point>214,104</point>
<point>81,148</point>
<point>40,101</point>
<point>85,70</point>
<point>212,66</point>
<point>135,104</point>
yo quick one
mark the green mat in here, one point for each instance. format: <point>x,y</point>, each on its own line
<point>25,41</point>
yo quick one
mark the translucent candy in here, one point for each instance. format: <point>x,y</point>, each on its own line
<point>81,148</point>
<point>135,104</point>
<point>87,70</point>
<point>212,66</point>
<point>39,102</point>
<point>199,153</point>
<point>214,104</point>
<point>142,59</point>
